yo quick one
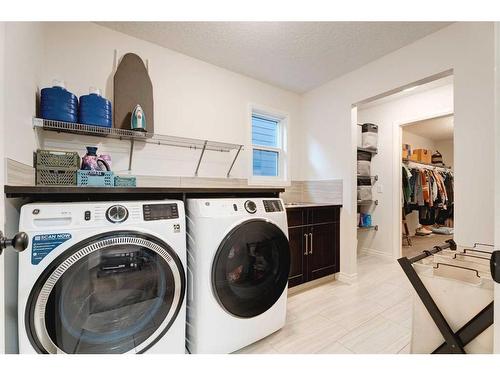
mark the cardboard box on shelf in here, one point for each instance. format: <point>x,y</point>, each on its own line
<point>406,151</point>
<point>422,155</point>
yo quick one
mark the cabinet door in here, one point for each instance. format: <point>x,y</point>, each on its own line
<point>297,241</point>
<point>323,255</point>
<point>321,215</point>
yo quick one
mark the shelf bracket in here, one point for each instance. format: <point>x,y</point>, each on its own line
<point>234,161</point>
<point>130,155</point>
<point>201,157</point>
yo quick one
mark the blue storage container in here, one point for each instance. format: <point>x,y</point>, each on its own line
<point>56,103</point>
<point>95,110</point>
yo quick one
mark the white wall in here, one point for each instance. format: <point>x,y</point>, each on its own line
<point>390,115</point>
<point>329,134</point>
<point>22,64</point>
<point>496,345</point>
<point>192,99</point>
<point>2,122</point>
<point>417,141</point>
<point>446,148</point>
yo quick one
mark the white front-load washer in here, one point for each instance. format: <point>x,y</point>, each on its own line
<point>238,266</point>
<point>103,277</point>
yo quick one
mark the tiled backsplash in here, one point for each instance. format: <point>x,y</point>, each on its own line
<point>19,174</point>
<point>321,191</point>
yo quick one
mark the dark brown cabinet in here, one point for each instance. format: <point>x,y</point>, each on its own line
<point>314,242</point>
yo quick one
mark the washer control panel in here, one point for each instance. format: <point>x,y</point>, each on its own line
<point>250,206</point>
<point>273,205</point>
<point>162,211</point>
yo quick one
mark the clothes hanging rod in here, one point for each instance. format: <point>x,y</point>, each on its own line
<point>407,161</point>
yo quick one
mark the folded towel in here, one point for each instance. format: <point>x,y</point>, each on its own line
<point>442,230</point>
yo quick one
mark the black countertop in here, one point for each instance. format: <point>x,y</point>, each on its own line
<point>78,193</point>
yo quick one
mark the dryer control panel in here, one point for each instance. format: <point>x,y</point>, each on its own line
<point>273,205</point>
<point>161,211</point>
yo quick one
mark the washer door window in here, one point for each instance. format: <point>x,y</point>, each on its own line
<point>250,269</point>
<point>116,293</point>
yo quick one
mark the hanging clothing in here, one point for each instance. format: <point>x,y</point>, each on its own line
<point>425,186</point>
<point>430,192</point>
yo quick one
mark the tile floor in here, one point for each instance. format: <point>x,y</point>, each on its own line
<point>371,316</point>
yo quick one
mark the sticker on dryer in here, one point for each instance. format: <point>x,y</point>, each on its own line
<point>43,244</point>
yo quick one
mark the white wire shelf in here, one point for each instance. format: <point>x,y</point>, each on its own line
<point>115,133</point>
<point>133,136</point>
<point>427,165</point>
<point>370,150</point>
<point>371,227</point>
<point>361,177</point>
<point>367,202</point>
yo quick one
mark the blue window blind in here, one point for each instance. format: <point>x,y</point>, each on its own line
<point>264,132</point>
<point>265,163</point>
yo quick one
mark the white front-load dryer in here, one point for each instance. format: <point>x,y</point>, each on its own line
<point>238,266</point>
<point>103,277</point>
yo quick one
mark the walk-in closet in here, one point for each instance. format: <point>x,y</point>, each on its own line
<point>427,184</point>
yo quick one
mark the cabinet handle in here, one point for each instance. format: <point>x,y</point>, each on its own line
<point>311,239</point>
<point>307,245</point>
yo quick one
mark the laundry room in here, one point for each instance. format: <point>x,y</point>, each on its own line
<point>247,188</point>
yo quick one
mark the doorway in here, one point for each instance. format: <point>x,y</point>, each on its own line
<point>427,188</point>
<point>404,108</point>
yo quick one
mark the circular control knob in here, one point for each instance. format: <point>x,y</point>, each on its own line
<point>117,214</point>
<point>251,207</point>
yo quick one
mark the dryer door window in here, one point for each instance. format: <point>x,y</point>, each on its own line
<point>116,293</point>
<point>251,267</point>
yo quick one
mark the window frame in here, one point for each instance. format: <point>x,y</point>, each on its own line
<point>282,119</point>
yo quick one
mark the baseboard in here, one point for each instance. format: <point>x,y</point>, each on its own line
<point>311,284</point>
<point>367,250</point>
<point>347,278</point>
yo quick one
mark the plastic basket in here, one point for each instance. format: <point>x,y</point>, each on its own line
<point>55,177</point>
<point>57,160</point>
<point>129,181</point>
<point>95,178</point>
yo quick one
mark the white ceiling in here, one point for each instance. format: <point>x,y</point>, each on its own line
<point>297,56</point>
<point>436,129</point>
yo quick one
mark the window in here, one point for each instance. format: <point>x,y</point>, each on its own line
<point>267,146</point>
